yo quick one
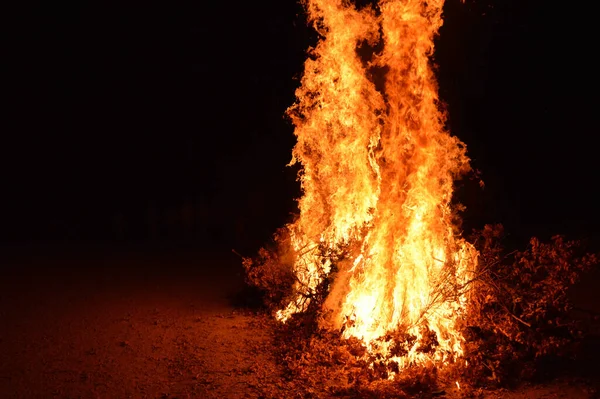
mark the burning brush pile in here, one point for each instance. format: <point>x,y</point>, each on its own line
<point>372,278</point>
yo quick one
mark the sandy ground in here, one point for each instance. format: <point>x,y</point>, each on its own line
<point>143,324</point>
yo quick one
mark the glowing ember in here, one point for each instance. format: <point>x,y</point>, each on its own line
<point>377,180</point>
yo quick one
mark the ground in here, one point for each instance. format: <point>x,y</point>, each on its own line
<point>140,323</point>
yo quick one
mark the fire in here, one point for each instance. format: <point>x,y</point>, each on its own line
<point>377,178</point>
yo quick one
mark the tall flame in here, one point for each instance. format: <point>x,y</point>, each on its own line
<point>377,179</point>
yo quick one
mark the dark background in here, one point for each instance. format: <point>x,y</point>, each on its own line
<point>143,121</point>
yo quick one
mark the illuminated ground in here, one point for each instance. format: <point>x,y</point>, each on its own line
<point>143,324</point>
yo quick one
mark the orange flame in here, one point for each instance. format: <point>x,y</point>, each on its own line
<point>377,179</point>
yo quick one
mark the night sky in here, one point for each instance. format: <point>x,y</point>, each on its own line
<point>117,110</point>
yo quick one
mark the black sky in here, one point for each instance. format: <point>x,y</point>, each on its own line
<point>114,107</point>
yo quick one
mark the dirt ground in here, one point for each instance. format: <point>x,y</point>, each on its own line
<point>141,323</point>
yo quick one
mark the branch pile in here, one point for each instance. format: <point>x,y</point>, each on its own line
<point>519,319</point>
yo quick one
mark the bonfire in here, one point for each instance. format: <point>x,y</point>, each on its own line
<point>375,251</point>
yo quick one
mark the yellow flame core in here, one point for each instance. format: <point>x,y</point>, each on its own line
<point>377,179</point>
